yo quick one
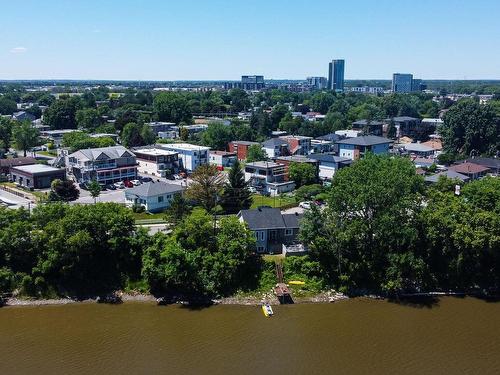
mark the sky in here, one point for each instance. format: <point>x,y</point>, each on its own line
<point>224,39</point>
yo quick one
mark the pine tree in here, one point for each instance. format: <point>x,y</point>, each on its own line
<point>236,195</point>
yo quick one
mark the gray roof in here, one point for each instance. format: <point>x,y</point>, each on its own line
<point>36,168</point>
<point>113,152</point>
<point>365,122</point>
<point>449,174</point>
<point>329,137</point>
<point>269,218</point>
<point>263,218</point>
<point>151,189</point>
<point>491,163</point>
<point>418,147</point>
<point>403,118</point>
<point>330,158</point>
<point>274,142</point>
<point>366,140</point>
<point>292,220</point>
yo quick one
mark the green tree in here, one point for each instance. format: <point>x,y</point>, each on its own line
<point>25,136</point>
<point>236,195</point>
<point>217,136</point>
<point>5,134</point>
<point>64,191</point>
<point>302,174</point>
<point>61,114</point>
<point>206,186</point>
<point>94,190</point>
<point>179,208</point>
<point>391,129</point>
<point>171,106</point>
<point>483,194</point>
<point>131,135</point>
<point>147,135</point>
<point>88,118</point>
<point>256,153</point>
<point>470,126</point>
<point>7,106</point>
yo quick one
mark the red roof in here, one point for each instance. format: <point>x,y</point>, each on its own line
<point>468,168</point>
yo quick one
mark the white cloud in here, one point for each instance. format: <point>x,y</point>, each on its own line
<point>18,50</point>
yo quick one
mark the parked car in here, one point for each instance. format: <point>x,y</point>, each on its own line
<point>119,185</point>
<point>128,183</point>
<point>177,177</point>
<point>135,182</point>
<point>170,177</point>
<point>111,187</point>
<point>146,179</point>
<point>305,205</point>
<point>103,186</point>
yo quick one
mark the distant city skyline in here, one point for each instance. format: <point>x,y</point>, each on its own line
<point>215,40</point>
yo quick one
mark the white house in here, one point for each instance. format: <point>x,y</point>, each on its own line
<point>153,196</point>
<point>275,147</point>
<point>192,156</point>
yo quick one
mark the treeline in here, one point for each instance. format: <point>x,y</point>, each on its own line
<point>384,231</point>
<point>82,250</point>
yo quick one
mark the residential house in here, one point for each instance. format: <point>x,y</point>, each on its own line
<point>411,127</point>
<point>329,164</point>
<point>419,149</point>
<point>192,156</point>
<point>471,170</point>
<point>153,196</point>
<point>369,127</point>
<point>354,148</point>
<point>241,148</point>
<point>326,143</point>
<point>275,147</point>
<point>268,177</point>
<point>105,165</point>
<point>23,116</point>
<point>493,164</point>
<point>222,159</point>
<point>160,126</point>
<point>272,229</point>
<point>36,176</point>
<point>449,174</point>
<point>297,144</point>
<point>157,161</point>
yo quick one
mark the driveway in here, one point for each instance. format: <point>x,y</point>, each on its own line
<point>13,201</point>
<point>116,196</point>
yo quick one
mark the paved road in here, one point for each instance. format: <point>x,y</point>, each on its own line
<point>13,201</point>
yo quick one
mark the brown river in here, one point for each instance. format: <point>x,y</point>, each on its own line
<point>360,336</point>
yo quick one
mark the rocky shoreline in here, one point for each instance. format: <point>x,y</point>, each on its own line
<point>121,297</point>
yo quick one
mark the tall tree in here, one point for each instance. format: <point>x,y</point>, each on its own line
<point>206,186</point>
<point>61,114</point>
<point>131,135</point>
<point>256,153</point>
<point>236,195</point>
<point>470,126</point>
<point>302,174</point>
<point>217,136</point>
<point>25,136</point>
<point>172,106</point>
<point>64,191</point>
<point>94,190</point>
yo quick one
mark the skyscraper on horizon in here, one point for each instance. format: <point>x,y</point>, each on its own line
<point>336,75</point>
<point>404,82</point>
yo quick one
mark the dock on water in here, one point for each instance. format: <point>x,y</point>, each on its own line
<point>281,289</point>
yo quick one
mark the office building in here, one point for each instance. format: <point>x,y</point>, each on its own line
<point>403,82</point>
<point>252,82</point>
<point>336,75</point>
<point>192,156</point>
<point>317,83</point>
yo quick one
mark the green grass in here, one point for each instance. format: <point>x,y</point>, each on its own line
<point>148,216</point>
<point>47,153</point>
<point>261,200</point>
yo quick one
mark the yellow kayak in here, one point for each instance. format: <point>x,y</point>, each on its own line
<point>296,282</point>
<point>267,310</point>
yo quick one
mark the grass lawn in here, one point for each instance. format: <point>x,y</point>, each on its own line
<point>261,200</point>
<point>148,216</point>
<point>47,153</point>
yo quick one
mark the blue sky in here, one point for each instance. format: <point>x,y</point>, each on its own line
<point>223,39</point>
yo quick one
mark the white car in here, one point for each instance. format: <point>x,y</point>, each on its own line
<point>135,182</point>
<point>119,185</point>
<point>305,205</point>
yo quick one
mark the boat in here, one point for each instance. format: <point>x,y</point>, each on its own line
<point>267,310</point>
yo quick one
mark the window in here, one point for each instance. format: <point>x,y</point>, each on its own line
<point>262,235</point>
<point>160,199</point>
<point>260,249</point>
<point>288,232</point>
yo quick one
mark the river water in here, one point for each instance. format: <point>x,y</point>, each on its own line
<point>361,336</point>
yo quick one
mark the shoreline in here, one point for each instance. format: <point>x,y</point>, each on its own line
<point>251,300</point>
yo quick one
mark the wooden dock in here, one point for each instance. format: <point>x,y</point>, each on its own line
<point>281,289</point>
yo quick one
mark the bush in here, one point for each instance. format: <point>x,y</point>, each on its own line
<point>138,208</point>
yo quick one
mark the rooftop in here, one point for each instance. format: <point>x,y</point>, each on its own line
<point>449,174</point>
<point>17,161</point>
<point>248,143</point>
<point>153,151</point>
<point>112,152</point>
<point>183,146</point>
<point>418,147</point>
<point>263,164</point>
<point>366,122</point>
<point>151,189</point>
<point>297,159</point>
<point>36,168</point>
<point>330,158</point>
<point>222,153</point>
<point>365,140</point>
<point>269,218</point>
<point>468,168</point>
<point>274,142</point>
